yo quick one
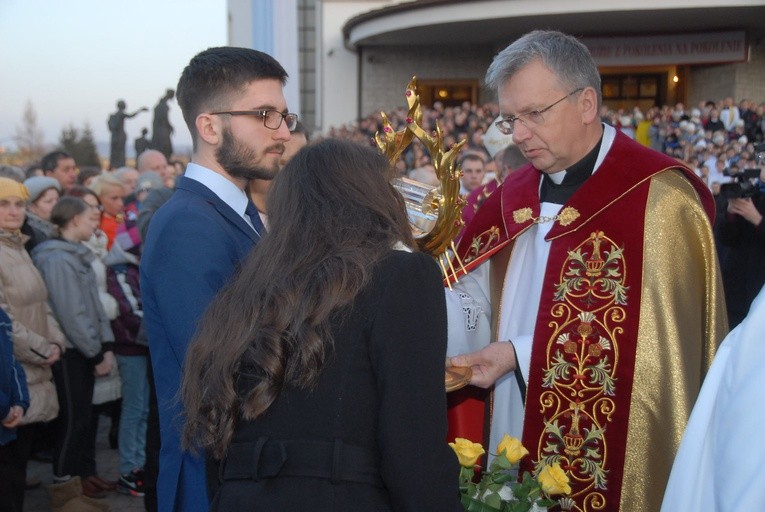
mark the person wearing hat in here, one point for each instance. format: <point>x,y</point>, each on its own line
<point>44,191</point>
<point>37,338</point>
<point>147,181</point>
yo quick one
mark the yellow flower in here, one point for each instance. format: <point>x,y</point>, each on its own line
<point>553,480</point>
<point>467,451</point>
<point>513,448</point>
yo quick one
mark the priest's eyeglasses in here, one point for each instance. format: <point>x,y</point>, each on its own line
<point>529,119</point>
<point>272,119</point>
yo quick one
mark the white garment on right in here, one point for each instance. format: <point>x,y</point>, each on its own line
<point>720,465</point>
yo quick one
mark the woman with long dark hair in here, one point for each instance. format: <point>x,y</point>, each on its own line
<point>316,380</point>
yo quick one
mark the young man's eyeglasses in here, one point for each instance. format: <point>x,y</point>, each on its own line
<point>529,119</point>
<point>271,118</point>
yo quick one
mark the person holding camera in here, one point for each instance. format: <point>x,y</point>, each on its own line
<point>741,232</point>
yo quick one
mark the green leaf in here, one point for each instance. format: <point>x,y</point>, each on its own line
<point>500,462</point>
<point>473,505</point>
<point>504,477</point>
<point>600,373</point>
<point>614,254</point>
<point>596,471</point>
<point>520,506</point>
<point>560,368</point>
<point>577,256</point>
<point>592,453</point>
<point>551,448</point>
<point>595,433</point>
<point>494,487</point>
<point>493,500</point>
<point>620,294</point>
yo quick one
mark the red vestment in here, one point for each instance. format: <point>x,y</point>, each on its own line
<point>630,313</point>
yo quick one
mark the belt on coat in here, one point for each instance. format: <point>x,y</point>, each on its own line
<point>270,458</point>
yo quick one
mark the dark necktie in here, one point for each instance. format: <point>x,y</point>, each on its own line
<point>254,217</point>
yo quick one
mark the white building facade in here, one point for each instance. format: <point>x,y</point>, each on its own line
<point>349,59</point>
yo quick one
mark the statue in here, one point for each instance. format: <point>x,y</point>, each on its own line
<point>116,124</point>
<point>162,129</point>
<point>142,142</point>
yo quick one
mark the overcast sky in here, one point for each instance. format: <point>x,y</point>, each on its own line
<point>73,59</point>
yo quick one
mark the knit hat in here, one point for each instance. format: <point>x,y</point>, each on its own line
<point>37,185</point>
<point>148,180</point>
<point>12,188</point>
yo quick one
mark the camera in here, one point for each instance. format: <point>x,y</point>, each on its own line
<point>744,183</point>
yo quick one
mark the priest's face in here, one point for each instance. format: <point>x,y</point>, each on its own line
<point>551,118</point>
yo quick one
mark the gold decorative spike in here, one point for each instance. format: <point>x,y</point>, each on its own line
<point>444,202</point>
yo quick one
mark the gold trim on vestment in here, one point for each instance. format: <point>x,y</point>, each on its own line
<point>682,319</point>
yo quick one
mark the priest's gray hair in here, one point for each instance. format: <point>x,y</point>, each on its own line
<point>564,55</point>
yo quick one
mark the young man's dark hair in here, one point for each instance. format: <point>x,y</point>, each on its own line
<point>213,76</point>
<point>50,161</point>
<point>472,156</point>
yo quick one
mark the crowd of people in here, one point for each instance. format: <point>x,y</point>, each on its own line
<point>715,131</point>
<point>320,357</point>
<point>70,250</point>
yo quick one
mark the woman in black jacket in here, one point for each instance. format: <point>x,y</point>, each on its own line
<point>316,381</point>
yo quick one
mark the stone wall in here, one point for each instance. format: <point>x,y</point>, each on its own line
<point>386,71</point>
<point>739,81</point>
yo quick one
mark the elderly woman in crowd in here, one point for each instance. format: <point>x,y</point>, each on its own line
<point>37,338</point>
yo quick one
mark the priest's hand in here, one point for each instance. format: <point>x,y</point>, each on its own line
<point>488,364</point>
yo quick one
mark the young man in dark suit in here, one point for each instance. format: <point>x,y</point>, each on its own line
<point>233,104</point>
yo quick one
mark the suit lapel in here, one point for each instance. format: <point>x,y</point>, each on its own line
<point>224,209</point>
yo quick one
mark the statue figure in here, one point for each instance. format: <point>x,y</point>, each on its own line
<point>161,128</point>
<point>142,142</point>
<point>116,124</point>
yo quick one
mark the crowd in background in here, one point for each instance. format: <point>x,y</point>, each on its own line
<point>701,137</point>
<point>87,222</point>
<point>70,246</point>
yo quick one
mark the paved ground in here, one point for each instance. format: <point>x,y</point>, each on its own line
<point>107,461</point>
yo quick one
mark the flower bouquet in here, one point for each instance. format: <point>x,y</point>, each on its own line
<point>499,489</point>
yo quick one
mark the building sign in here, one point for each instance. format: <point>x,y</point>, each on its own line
<point>706,48</point>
